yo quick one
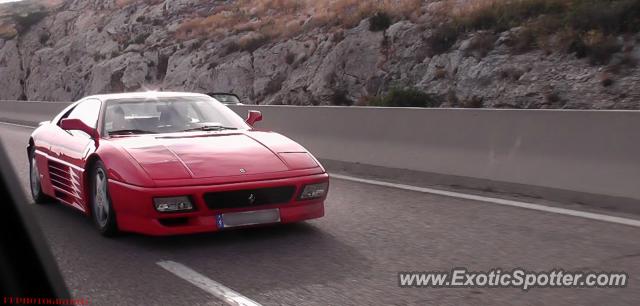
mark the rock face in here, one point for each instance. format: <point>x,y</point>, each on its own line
<point>84,47</point>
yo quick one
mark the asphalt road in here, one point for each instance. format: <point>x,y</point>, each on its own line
<point>350,257</point>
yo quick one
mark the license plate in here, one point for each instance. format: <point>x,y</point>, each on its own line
<point>248,218</point>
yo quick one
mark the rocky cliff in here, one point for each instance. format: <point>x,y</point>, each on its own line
<point>68,49</point>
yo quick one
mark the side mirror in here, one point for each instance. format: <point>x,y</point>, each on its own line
<point>78,125</point>
<point>254,116</point>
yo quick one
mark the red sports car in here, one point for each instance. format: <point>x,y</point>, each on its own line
<point>163,163</point>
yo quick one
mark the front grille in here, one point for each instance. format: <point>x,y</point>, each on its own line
<point>249,197</point>
<point>173,221</point>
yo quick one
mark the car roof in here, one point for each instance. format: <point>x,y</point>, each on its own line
<point>145,94</point>
<point>223,93</point>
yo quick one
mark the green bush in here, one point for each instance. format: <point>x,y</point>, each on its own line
<point>481,44</point>
<point>503,15</point>
<point>252,43</point>
<point>339,97</point>
<point>379,22</point>
<point>523,41</point>
<point>543,19</point>
<point>594,45</point>
<point>406,97</point>
<point>600,52</point>
<point>140,38</point>
<point>608,16</point>
<point>44,37</point>
<point>26,20</point>
<point>443,38</point>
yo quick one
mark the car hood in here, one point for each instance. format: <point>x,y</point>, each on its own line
<point>215,154</point>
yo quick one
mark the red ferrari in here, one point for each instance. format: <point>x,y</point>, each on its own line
<point>162,163</point>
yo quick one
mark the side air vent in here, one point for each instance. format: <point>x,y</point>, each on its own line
<point>65,183</point>
<point>60,176</point>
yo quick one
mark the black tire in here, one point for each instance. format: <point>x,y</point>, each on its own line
<point>35,182</point>
<point>102,213</point>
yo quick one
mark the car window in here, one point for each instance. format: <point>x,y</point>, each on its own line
<point>167,115</point>
<point>193,114</point>
<point>87,111</point>
<point>226,99</point>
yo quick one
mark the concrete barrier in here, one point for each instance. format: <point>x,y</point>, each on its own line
<point>589,157</point>
<point>28,112</point>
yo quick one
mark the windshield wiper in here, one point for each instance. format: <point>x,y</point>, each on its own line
<point>130,132</point>
<point>210,128</point>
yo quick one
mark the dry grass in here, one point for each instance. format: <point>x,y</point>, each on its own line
<point>481,44</point>
<point>586,28</point>
<point>7,31</point>
<point>608,16</point>
<point>123,3</point>
<point>18,17</point>
<point>25,6</point>
<point>501,14</point>
<point>286,18</point>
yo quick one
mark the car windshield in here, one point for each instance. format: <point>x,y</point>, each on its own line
<point>226,98</point>
<point>168,115</point>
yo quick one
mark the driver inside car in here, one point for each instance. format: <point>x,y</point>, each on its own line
<point>171,117</point>
<point>116,120</point>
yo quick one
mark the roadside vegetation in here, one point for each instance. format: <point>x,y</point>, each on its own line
<point>7,31</point>
<point>586,28</point>
<point>405,97</point>
<point>17,17</point>
<point>259,21</point>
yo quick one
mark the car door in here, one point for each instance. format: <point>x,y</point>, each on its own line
<point>71,150</point>
<point>75,146</point>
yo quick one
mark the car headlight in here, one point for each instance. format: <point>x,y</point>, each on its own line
<point>172,204</point>
<point>297,161</point>
<point>313,191</point>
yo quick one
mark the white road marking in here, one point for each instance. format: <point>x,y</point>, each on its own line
<point>20,125</point>
<point>550,209</point>
<point>218,290</point>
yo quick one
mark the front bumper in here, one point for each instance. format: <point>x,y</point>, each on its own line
<point>135,212</point>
